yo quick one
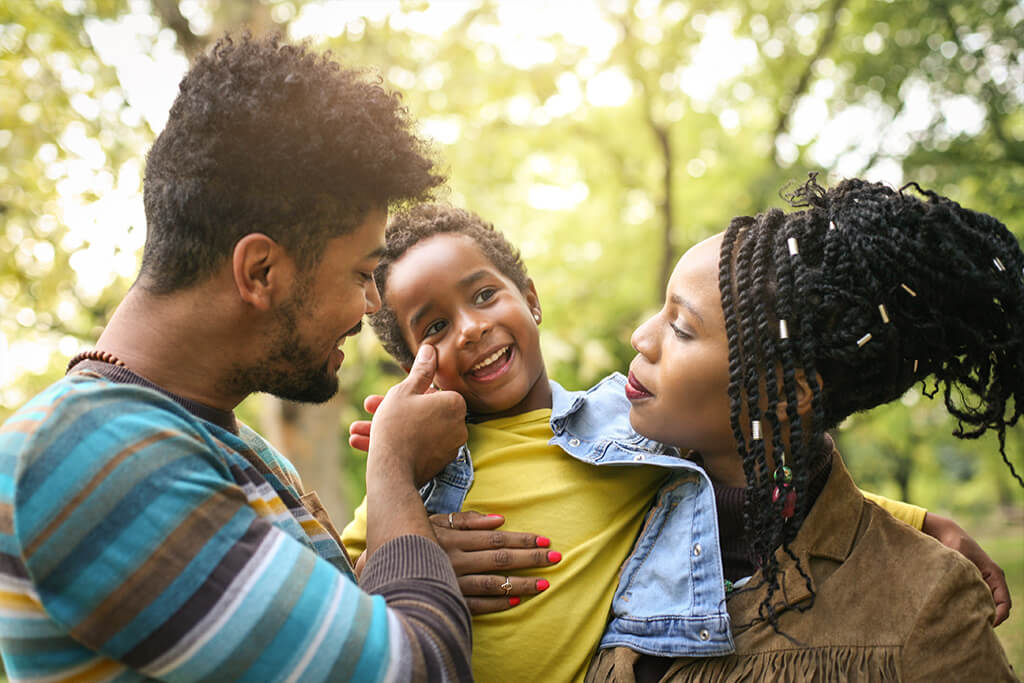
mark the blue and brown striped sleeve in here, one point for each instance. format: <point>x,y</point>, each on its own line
<point>127,550</point>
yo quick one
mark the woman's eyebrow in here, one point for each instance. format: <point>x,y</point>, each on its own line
<point>680,301</point>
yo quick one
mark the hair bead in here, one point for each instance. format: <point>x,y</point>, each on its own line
<point>908,289</point>
<point>793,248</point>
<point>831,225</point>
<point>783,330</point>
<point>864,340</point>
<point>885,314</point>
<point>755,430</point>
<point>999,264</point>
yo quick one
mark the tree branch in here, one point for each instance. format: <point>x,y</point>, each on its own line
<point>827,37</point>
<point>171,17</point>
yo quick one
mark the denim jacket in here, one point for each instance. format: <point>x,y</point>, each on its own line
<point>670,600</point>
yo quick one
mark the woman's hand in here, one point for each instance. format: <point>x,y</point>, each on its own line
<point>479,553</point>
<point>949,533</point>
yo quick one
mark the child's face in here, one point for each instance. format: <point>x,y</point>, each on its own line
<point>678,384</point>
<point>445,292</point>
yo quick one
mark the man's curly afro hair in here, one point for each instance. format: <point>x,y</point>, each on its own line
<point>409,228</point>
<point>274,138</point>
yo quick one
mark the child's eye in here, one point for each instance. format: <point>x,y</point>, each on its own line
<point>434,328</point>
<point>682,334</point>
<point>484,295</point>
<point>367,277</point>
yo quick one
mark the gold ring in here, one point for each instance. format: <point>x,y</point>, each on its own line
<point>451,522</point>
<point>507,586</point>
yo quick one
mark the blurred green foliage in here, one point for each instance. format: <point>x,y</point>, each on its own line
<point>602,159</point>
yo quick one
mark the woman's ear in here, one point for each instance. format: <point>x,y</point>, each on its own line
<point>804,396</point>
<point>804,393</point>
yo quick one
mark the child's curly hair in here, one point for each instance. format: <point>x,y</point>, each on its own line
<point>273,138</point>
<point>879,289</point>
<point>416,224</point>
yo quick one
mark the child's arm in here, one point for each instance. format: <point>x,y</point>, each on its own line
<point>951,535</point>
<point>905,512</point>
<point>354,535</point>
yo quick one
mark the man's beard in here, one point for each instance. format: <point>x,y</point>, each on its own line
<point>290,369</point>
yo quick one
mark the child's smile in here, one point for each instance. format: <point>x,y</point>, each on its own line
<point>444,291</point>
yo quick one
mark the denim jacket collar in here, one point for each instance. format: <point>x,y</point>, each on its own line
<point>670,600</point>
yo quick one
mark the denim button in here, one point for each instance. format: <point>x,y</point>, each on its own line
<point>696,550</point>
<point>704,635</point>
<point>574,442</point>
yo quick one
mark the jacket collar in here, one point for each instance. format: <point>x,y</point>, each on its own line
<point>563,405</point>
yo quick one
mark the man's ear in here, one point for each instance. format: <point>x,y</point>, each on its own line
<point>532,300</point>
<point>259,266</point>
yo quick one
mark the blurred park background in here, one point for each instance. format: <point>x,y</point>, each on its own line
<point>604,137</point>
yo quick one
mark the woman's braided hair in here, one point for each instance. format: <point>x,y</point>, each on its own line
<point>877,289</point>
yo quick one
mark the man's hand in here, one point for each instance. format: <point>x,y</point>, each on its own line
<point>949,533</point>
<point>414,434</point>
<point>474,546</point>
<point>414,429</point>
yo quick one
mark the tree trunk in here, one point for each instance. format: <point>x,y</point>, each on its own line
<point>309,436</point>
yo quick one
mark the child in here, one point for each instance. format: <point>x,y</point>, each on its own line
<point>540,455</point>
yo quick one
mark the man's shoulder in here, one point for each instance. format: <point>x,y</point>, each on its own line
<point>88,415</point>
<point>86,394</point>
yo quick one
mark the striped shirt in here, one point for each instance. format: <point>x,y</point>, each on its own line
<point>138,542</point>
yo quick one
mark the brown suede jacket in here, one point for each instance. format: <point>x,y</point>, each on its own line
<point>891,604</point>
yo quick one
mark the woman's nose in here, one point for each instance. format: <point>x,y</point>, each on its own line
<point>642,338</point>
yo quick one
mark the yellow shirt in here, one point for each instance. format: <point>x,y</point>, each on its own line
<point>592,516</point>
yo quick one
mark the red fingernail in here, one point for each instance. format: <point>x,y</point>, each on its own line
<point>542,584</point>
<point>554,556</point>
<point>543,542</point>
<point>514,601</point>
<point>495,516</point>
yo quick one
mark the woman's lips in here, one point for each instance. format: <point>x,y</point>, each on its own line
<point>636,391</point>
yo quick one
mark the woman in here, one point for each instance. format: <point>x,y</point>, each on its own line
<point>773,332</point>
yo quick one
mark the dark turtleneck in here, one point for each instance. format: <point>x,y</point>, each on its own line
<point>736,561</point>
<point>122,375</point>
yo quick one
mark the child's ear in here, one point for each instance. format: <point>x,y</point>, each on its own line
<point>532,300</point>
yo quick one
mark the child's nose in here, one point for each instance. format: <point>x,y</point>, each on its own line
<point>472,328</point>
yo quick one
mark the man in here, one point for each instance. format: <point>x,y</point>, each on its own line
<point>144,533</point>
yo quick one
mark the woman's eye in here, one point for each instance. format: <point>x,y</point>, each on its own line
<point>682,334</point>
<point>433,329</point>
<point>484,295</point>
<point>367,277</point>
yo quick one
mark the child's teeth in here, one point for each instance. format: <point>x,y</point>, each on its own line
<point>487,361</point>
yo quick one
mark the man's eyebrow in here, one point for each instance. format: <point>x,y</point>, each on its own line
<point>680,301</point>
